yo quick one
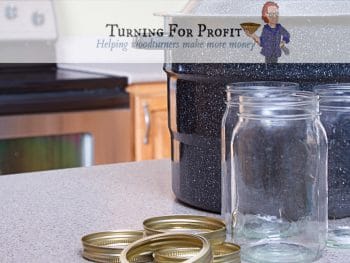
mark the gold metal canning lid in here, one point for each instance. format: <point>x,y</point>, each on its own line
<point>212,229</point>
<point>227,253</point>
<point>174,255</point>
<point>149,245</point>
<point>224,253</point>
<point>107,246</point>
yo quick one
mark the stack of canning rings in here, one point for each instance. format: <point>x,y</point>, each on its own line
<point>167,239</point>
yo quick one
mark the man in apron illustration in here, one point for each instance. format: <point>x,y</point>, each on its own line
<point>274,36</point>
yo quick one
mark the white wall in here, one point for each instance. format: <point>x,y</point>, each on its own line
<point>88,17</point>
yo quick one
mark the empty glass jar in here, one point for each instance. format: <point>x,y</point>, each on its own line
<point>279,178</point>
<point>335,116</point>
<point>229,121</point>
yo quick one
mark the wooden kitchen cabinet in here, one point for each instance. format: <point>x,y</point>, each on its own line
<point>149,121</point>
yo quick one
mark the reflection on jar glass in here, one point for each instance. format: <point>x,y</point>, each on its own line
<point>335,116</point>
<point>279,178</point>
<point>229,121</point>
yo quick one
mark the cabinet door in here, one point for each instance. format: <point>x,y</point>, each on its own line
<point>151,129</point>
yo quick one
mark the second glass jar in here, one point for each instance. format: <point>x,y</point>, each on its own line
<point>335,116</point>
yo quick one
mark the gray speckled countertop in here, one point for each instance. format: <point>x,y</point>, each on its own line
<point>44,215</point>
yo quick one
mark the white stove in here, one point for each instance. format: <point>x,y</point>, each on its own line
<point>27,31</point>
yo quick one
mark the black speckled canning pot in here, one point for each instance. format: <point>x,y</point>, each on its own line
<point>196,95</point>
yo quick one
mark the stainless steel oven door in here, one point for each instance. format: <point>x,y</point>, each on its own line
<point>36,142</point>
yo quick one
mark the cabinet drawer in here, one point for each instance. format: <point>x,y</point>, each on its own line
<point>150,123</point>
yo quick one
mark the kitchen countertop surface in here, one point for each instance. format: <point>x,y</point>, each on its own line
<point>44,215</point>
<point>136,73</point>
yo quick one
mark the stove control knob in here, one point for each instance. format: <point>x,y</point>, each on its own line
<point>11,12</point>
<point>38,19</point>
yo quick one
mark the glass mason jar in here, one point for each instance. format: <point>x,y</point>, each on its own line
<point>279,178</point>
<point>335,116</point>
<point>229,121</point>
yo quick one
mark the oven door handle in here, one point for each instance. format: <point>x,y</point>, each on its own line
<point>147,116</point>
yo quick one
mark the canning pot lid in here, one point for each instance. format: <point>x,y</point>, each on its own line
<point>253,8</point>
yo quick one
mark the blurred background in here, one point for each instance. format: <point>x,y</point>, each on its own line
<point>57,111</point>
